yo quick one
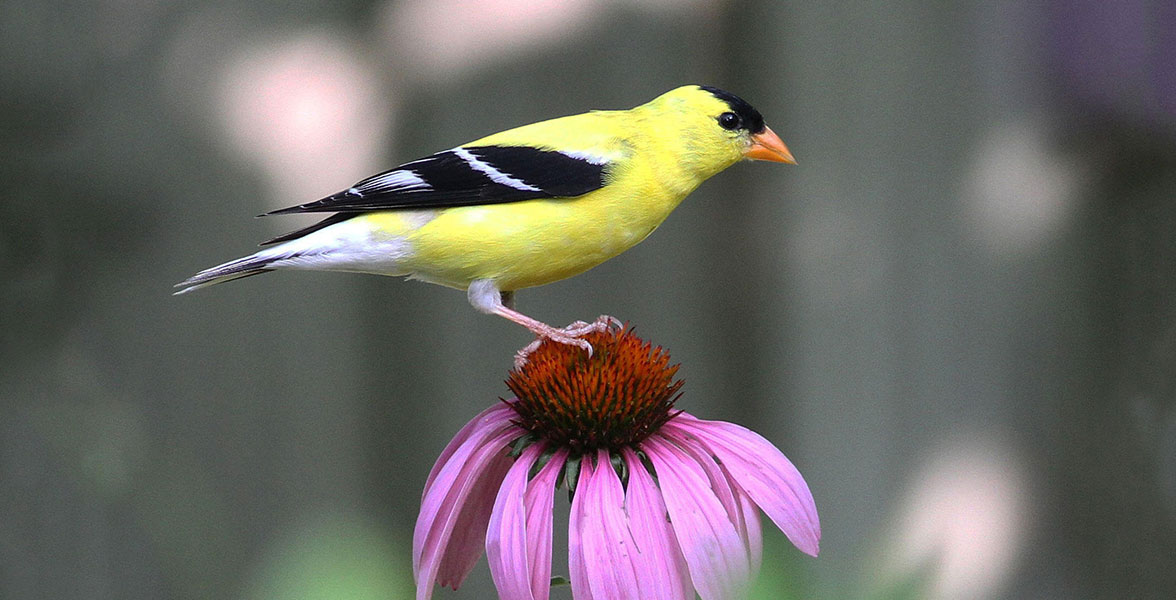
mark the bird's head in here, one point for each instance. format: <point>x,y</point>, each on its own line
<point>716,128</point>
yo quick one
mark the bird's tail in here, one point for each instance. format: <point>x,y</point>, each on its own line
<point>254,264</point>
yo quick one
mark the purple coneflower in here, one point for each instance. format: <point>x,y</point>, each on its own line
<point>663,503</point>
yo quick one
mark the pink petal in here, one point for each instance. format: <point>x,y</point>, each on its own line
<point>518,542</point>
<point>490,418</point>
<point>577,565</point>
<point>720,483</point>
<point>506,537</point>
<point>468,540</point>
<point>462,496</point>
<point>754,533</point>
<point>763,473</point>
<point>450,468</point>
<point>538,501</point>
<point>603,549</point>
<point>710,542</point>
<point>662,572</point>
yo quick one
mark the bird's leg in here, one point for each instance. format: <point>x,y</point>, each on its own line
<point>485,296</point>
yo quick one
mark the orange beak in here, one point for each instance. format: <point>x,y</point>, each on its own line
<point>766,145</point>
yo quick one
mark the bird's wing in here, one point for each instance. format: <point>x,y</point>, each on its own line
<point>472,175</point>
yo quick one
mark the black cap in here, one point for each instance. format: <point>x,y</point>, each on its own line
<point>752,119</point>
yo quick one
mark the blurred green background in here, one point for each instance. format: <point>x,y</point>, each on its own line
<point>957,315</point>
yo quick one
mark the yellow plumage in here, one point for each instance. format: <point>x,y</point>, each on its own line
<point>646,160</point>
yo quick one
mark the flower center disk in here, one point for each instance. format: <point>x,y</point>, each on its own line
<point>615,398</point>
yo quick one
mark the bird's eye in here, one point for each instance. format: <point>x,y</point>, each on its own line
<point>730,120</point>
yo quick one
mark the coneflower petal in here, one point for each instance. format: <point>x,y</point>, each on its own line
<point>462,495</point>
<point>662,572</point>
<point>496,416</point>
<point>518,542</point>
<point>473,436</point>
<point>468,538</point>
<point>754,533</point>
<point>709,540</point>
<point>720,483</point>
<point>538,501</point>
<point>577,567</point>
<point>603,542</point>
<point>763,473</point>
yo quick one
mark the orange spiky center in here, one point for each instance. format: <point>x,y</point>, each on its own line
<point>617,397</point>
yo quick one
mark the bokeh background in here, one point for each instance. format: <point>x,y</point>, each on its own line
<point>957,315</point>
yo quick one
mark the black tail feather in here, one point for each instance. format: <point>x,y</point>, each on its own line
<point>237,269</point>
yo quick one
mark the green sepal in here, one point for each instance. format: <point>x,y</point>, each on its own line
<point>572,473</point>
<point>622,469</point>
<point>648,464</point>
<point>544,458</point>
<point>521,443</point>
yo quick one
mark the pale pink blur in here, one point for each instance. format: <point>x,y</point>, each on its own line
<point>962,522</point>
<point>308,111</point>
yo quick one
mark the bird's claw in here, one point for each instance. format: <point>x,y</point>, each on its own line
<point>571,335</point>
<point>602,324</point>
<point>520,359</point>
<point>611,322</point>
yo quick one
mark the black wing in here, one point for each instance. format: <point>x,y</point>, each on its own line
<point>468,176</point>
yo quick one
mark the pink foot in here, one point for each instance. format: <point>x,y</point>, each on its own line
<point>570,335</point>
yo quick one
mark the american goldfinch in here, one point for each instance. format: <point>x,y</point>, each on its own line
<point>524,207</point>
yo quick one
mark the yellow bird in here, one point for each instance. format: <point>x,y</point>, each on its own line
<point>524,207</point>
